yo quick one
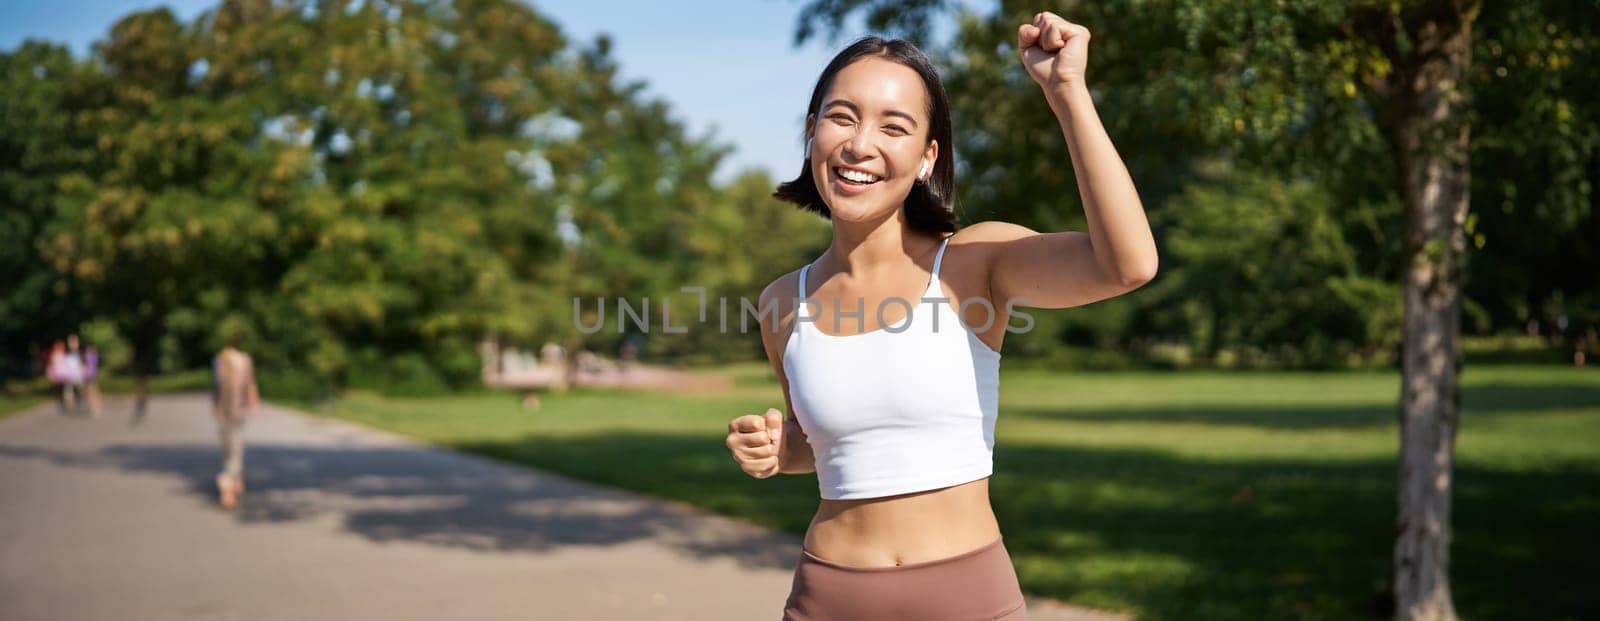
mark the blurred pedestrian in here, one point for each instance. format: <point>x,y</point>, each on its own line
<point>234,397</point>
<point>52,371</point>
<point>91,379</point>
<point>66,370</point>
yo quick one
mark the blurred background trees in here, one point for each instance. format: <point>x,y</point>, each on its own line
<point>366,189</point>
<point>361,189</point>
<point>1223,111</point>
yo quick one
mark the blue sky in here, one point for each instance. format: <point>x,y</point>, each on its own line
<point>746,83</point>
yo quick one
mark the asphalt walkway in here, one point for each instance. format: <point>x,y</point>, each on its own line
<point>102,519</point>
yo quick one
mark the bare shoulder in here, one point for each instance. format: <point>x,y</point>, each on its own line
<point>776,311</point>
<point>1039,270</point>
<point>782,291</point>
<point>776,307</point>
<point>991,231</point>
<point>980,242</point>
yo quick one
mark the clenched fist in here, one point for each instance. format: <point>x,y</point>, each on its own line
<point>757,443</point>
<point>1054,50</point>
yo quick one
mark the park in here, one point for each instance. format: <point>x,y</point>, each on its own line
<point>1363,383</point>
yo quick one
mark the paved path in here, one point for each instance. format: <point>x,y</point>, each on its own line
<point>101,519</point>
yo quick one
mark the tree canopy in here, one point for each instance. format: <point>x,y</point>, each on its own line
<point>359,190</point>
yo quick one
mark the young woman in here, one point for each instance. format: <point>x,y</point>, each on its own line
<point>890,369</point>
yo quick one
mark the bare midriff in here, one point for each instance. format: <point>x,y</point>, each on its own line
<point>906,528</point>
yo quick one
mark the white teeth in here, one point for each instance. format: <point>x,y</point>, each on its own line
<point>856,176</point>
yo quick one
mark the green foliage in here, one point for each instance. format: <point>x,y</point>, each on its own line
<point>292,385</point>
<point>1533,226</point>
<point>1232,287</point>
<point>357,192</point>
<point>768,238</point>
<point>339,183</point>
<point>1298,91</point>
<point>115,353</point>
<point>406,374</point>
<point>42,136</point>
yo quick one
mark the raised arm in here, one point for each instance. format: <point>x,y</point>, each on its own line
<point>1118,252</point>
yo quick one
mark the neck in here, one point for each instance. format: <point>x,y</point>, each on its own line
<point>862,249</point>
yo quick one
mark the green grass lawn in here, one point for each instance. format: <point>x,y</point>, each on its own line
<point>10,405</point>
<point>1198,495</point>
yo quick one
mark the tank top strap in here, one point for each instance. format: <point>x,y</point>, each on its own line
<point>938,259</point>
<point>800,309</point>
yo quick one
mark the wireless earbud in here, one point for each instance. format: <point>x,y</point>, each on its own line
<point>924,174</point>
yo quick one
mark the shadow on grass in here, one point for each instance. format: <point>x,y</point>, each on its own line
<point>1481,400</point>
<point>1283,539</point>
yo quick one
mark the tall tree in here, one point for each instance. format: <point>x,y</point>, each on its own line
<point>42,137</point>
<point>1424,115</point>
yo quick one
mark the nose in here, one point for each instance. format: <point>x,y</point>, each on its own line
<point>860,145</point>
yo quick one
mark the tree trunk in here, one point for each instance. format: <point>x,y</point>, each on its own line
<point>1431,132</point>
<point>1430,398</point>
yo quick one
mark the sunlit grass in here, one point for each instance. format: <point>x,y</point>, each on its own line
<point>1169,495</point>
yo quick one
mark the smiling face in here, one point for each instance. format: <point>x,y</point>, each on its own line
<point>869,139</point>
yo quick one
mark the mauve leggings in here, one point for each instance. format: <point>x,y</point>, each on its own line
<point>978,585</point>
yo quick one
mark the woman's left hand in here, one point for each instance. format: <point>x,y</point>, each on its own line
<point>1054,50</point>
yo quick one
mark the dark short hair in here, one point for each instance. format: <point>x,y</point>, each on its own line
<point>931,205</point>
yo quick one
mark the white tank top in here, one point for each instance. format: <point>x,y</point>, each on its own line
<point>905,408</point>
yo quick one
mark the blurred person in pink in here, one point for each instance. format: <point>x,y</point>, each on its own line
<point>66,369</point>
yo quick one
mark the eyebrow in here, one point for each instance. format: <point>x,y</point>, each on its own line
<point>853,108</point>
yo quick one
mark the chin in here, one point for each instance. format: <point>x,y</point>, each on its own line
<point>857,208</point>
<point>855,213</point>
